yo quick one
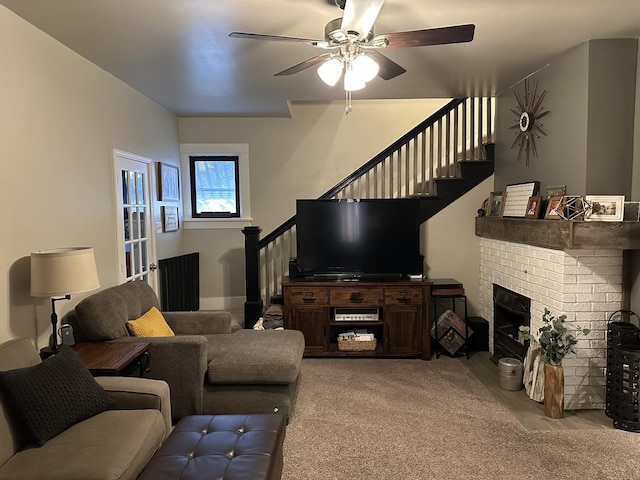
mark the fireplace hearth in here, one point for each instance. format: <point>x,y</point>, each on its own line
<point>510,311</point>
<point>584,284</point>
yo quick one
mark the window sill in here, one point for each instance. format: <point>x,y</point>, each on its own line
<point>216,223</point>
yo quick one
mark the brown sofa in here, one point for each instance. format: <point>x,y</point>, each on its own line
<point>209,369</point>
<point>114,444</point>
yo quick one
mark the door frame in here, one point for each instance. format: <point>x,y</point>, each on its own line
<point>119,158</point>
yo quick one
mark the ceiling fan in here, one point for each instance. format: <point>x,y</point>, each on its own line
<point>354,49</point>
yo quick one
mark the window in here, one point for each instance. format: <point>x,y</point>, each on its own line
<point>223,217</point>
<point>215,191</point>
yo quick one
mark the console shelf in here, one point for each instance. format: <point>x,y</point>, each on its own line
<point>403,306</point>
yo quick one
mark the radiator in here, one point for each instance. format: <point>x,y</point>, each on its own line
<point>180,283</point>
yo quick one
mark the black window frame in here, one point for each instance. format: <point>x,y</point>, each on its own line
<point>192,174</point>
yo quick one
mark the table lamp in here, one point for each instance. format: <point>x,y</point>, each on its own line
<point>60,272</point>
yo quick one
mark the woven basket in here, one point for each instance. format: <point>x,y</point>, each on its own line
<point>356,346</point>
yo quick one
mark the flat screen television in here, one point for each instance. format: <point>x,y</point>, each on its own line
<point>368,238</point>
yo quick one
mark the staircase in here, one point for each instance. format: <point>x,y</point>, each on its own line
<point>438,161</point>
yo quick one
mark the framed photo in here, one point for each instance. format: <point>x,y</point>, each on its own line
<point>495,204</point>
<point>169,219</point>
<point>516,198</point>
<point>604,208</point>
<point>168,183</point>
<point>533,207</point>
<point>556,191</point>
<point>555,208</point>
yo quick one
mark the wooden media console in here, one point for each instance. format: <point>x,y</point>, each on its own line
<point>402,308</point>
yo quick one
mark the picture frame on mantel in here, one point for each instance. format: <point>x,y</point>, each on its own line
<point>533,207</point>
<point>495,204</point>
<point>555,208</point>
<point>604,208</point>
<point>557,190</point>
<point>516,198</point>
<point>631,212</point>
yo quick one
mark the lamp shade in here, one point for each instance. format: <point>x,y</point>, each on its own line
<point>352,81</point>
<point>330,71</point>
<point>365,67</point>
<point>63,271</point>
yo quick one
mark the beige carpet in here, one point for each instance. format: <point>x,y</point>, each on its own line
<point>411,419</point>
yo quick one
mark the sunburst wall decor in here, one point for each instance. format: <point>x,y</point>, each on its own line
<point>530,111</point>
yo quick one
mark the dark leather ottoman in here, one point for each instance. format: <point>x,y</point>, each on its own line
<point>221,447</point>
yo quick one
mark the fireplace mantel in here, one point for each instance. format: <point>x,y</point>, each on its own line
<point>561,234</point>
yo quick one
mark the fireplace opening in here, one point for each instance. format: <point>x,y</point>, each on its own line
<point>510,311</point>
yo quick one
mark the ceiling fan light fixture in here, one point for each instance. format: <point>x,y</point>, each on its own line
<point>352,81</point>
<point>365,67</point>
<point>330,71</point>
<point>380,42</point>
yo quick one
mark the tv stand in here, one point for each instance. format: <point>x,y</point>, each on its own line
<point>356,277</point>
<point>401,328</point>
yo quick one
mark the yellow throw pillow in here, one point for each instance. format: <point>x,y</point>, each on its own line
<point>151,324</point>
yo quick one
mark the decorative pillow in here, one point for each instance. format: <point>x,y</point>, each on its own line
<point>51,396</point>
<point>151,324</point>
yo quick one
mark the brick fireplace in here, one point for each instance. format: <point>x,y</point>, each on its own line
<point>585,284</point>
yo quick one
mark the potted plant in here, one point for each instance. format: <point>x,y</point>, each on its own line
<point>554,341</point>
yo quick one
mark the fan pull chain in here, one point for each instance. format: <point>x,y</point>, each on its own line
<point>347,109</point>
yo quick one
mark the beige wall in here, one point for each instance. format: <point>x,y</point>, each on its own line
<point>61,117</point>
<point>451,247</point>
<point>298,157</point>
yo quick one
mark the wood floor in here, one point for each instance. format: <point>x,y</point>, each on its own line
<point>528,412</point>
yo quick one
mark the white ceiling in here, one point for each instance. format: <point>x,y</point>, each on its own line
<point>178,53</point>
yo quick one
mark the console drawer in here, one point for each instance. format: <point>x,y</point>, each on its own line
<point>357,296</point>
<point>308,296</point>
<point>403,296</point>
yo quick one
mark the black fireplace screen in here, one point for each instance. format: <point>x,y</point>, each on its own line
<point>510,311</point>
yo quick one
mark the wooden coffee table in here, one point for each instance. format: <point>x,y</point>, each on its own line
<point>113,358</point>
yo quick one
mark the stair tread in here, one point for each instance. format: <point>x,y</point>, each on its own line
<point>457,179</point>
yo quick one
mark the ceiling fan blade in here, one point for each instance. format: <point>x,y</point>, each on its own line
<point>304,65</point>
<point>388,68</point>
<point>360,15</point>
<point>430,36</point>
<point>277,38</point>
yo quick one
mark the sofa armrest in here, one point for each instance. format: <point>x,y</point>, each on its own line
<point>199,323</point>
<point>181,361</point>
<point>130,393</point>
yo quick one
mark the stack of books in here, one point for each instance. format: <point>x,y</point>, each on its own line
<point>356,335</point>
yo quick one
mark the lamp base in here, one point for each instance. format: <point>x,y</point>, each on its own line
<point>47,352</point>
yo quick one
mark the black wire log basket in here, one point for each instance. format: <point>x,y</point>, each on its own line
<point>623,370</point>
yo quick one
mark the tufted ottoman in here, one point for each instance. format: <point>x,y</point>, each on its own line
<point>220,447</point>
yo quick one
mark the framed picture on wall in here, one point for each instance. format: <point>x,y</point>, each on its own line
<point>168,183</point>
<point>169,219</point>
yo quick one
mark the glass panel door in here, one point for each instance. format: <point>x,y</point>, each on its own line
<point>136,244</point>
